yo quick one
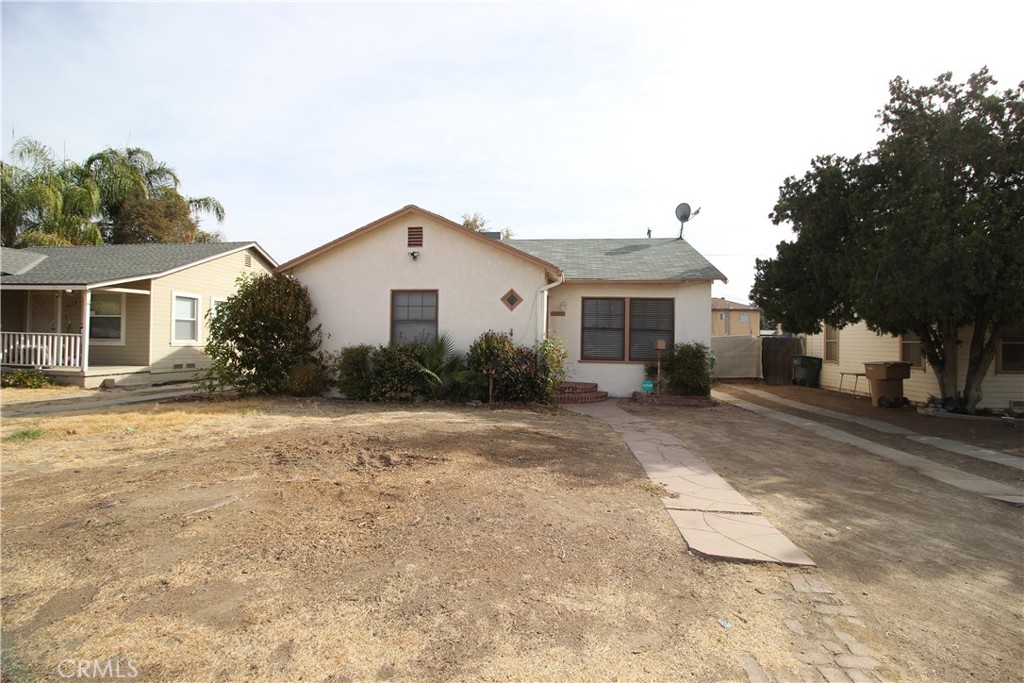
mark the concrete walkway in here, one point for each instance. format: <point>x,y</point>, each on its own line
<point>929,468</point>
<point>950,445</point>
<point>711,515</point>
<point>104,399</point>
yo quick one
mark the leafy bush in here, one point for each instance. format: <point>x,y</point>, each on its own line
<point>446,370</point>
<point>25,379</point>
<point>519,377</point>
<point>307,379</point>
<point>685,370</point>
<point>353,372</point>
<point>397,374</point>
<point>260,334</point>
<point>552,356</point>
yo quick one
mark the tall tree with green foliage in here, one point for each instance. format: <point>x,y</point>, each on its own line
<point>116,196</point>
<point>923,234</point>
<point>261,337</point>
<point>45,201</point>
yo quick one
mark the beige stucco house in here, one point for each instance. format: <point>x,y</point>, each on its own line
<point>125,314</point>
<point>414,273</point>
<point>729,318</point>
<point>844,352</point>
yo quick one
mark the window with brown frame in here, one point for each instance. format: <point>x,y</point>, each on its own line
<point>607,336</point>
<point>413,316</point>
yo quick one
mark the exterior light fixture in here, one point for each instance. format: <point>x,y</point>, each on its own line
<point>414,254</point>
<point>563,305</point>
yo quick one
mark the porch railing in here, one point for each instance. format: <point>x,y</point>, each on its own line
<point>40,350</point>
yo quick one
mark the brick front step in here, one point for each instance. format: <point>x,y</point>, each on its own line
<point>577,387</point>
<point>581,397</point>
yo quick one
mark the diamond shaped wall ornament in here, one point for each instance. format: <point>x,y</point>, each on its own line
<point>511,299</point>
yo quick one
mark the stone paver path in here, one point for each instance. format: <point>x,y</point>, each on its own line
<point>713,517</point>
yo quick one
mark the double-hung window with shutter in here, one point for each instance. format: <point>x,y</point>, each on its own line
<point>626,329</point>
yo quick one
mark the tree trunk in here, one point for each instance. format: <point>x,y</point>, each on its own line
<point>984,344</point>
<point>940,346</point>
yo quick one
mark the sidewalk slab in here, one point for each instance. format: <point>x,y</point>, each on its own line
<point>713,517</point>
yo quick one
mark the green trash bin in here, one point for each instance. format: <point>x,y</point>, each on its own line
<point>806,370</point>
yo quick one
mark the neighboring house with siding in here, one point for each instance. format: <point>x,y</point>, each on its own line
<point>414,274</point>
<point>846,350</point>
<point>128,314</point>
<point>729,318</point>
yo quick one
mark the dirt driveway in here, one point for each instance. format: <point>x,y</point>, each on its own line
<point>324,541</point>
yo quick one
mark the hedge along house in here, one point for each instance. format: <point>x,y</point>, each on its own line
<point>414,273</point>
<point>124,314</point>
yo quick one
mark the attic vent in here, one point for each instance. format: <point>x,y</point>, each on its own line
<point>416,236</point>
<point>248,261</point>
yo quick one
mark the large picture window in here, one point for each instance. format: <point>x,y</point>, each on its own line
<point>106,317</point>
<point>413,316</point>
<point>611,327</point>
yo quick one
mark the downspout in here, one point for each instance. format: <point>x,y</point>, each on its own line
<point>542,307</point>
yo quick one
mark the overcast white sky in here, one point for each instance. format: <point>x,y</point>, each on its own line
<point>554,120</point>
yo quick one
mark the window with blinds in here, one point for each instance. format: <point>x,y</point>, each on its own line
<point>604,325</point>
<point>649,321</point>
<point>611,326</point>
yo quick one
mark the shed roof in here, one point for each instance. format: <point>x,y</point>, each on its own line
<point>108,264</point>
<point>646,260</point>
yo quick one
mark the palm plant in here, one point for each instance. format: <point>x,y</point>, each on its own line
<point>443,365</point>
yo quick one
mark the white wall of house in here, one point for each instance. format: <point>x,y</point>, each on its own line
<point>622,378</point>
<point>858,344</point>
<point>351,284</point>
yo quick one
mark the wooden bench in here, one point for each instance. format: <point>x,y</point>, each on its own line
<point>856,378</point>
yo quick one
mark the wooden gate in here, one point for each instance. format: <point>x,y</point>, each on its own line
<point>777,358</point>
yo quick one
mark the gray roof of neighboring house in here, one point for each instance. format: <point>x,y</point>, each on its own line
<point>622,259</point>
<point>69,266</point>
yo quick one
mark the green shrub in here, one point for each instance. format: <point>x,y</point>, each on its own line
<point>27,434</point>
<point>446,369</point>
<point>260,334</point>
<point>519,377</point>
<point>685,370</point>
<point>552,356</point>
<point>25,379</point>
<point>307,379</point>
<point>397,375</point>
<point>487,354</point>
<point>353,372</point>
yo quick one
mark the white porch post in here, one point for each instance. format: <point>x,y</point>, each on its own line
<point>86,305</point>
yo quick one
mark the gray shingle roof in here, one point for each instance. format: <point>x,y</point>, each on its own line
<point>622,259</point>
<point>110,263</point>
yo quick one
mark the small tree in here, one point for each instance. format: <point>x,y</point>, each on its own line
<point>261,341</point>
<point>686,370</point>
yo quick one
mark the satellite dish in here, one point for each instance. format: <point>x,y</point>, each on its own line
<point>683,212</point>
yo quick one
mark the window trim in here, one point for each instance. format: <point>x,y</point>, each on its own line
<point>825,344</point>
<point>1000,370</point>
<point>198,341</point>
<point>913,366</point>
<point>391,310</point>
<point>120,341</point>
<point>626,356</point>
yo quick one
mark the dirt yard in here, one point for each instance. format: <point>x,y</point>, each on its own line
<point>327,541</point>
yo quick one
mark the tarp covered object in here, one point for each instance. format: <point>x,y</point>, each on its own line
<point>737,357</point>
